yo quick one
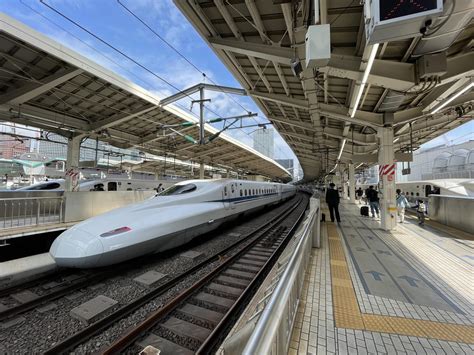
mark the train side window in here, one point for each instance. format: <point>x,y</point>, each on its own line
<point>417,194</point>
<point>428,190</point>
<point>245,192</point>
<point>232,188</point>
<point>178,190</point>
<point>225,190</point>
<point>241,193</point>
<point>112,186</point>
<point>411,194</point>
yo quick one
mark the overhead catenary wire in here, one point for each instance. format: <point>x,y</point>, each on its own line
<point>122,53</point>
<point>116,49</point>
<point>143,22</point>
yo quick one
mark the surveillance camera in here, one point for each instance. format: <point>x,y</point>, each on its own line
<point>460,111</point>
<point>296,67</point>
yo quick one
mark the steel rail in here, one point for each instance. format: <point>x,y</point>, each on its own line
<point>159,314</point>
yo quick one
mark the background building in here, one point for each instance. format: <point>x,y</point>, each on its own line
<point>263,141</point>
<point>288,164</point>
<point>443,162</point>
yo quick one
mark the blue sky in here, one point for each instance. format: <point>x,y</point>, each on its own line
<point>109,20</point>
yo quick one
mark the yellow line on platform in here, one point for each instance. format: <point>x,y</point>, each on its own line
<point>347,313</point>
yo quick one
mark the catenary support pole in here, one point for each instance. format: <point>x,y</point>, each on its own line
<point>72,162</point>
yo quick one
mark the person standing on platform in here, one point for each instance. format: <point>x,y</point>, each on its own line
<point>332,199</point>
<point>373,198</point>
<point>420,211</point>
<point>402,203</point>
<point>359,194</point>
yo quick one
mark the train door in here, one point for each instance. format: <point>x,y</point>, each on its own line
<point>228,194</point>
<point>279,188</point>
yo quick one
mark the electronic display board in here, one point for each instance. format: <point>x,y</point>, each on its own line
<point>392,9</point>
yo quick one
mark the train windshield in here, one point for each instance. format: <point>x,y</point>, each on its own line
<point>178,190</point>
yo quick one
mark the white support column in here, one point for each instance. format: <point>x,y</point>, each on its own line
<point>388,206</point>
<point>351,183</point>
<point>72,163</point>
<point>201,171</point>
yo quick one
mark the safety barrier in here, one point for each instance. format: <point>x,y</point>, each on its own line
<point>452,211</point>
<point>28,211</point>
<point>268,330</point>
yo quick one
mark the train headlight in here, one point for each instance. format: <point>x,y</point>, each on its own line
<point>115,232</point>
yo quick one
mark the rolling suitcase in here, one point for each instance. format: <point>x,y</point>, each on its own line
<point>364,211</point>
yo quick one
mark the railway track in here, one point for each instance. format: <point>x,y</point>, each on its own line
<point>198,319</point>
<point>96,328</point>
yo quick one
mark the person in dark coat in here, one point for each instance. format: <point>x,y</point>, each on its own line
<point>332,199</point>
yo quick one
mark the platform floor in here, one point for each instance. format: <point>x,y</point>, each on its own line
<point>368,291</point>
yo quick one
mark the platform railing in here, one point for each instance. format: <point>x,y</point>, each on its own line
<point>268,330</point>
<point>30,211</point>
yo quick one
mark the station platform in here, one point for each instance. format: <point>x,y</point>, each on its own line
<point>368,291</point>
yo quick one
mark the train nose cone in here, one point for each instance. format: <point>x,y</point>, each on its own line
<point>73,252</point>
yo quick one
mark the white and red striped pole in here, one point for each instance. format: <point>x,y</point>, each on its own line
<point>387,167</point>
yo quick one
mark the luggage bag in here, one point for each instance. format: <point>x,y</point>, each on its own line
<point>364,211</point>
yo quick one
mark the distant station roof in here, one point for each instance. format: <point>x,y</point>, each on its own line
<point>46,85</point>
<point>259,41</point>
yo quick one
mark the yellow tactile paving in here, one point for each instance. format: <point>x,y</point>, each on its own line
<point>376,323</point>
<point>347,312</point>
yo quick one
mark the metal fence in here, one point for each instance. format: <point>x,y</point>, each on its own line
<point>29,211</point>
<point>268,331</point>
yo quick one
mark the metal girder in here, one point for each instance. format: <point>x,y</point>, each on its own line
<point>459,66</point>
<point>53,128</point>
<point>363,118</point>
<point>288,16</point>
<point>118,119</point>
<point>442,92</point>
<point>280,55</point>
<point>384,73</point>
<point>31,90</point>
<point>285,100</point>
<point>296,123</point>
<point>359,138</point>
<point>49,116</point>
<point>373,158</point>
<point>193,89</point>
<point>299,136</point>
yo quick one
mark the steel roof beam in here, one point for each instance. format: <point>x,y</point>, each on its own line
<point>384,73</point>
<point>118,119</point>
<point>277,98</point>
<point>31,90</point>
<point>280,55</point>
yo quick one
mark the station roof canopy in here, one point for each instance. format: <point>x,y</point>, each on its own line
<point>259,40</point>
<point>49,86</point>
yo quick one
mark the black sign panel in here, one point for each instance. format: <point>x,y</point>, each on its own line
<point>390,9</point>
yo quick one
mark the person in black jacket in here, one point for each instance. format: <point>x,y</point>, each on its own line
<point>332,199</point>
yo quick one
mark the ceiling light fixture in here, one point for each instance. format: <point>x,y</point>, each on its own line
<point>342,148</point>
<point>396,140</point>
<point>373,52</point>
<point>455,96</point>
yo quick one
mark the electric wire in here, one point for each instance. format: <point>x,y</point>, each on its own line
<point>107,44</point>
<point>119,51</point>
<point>191,63</point>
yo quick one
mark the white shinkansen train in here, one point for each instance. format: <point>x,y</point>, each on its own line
<point>165,221</point>
<point>414,190</point>
<point>449,187</point>
<point>108,184</point>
